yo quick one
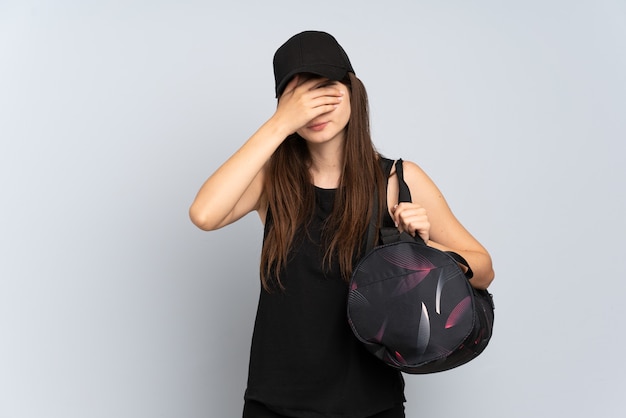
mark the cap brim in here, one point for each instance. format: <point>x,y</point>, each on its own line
<point>328,71</point>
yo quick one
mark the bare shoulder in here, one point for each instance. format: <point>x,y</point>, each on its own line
<point>411,169</point>
<point>422,187</point>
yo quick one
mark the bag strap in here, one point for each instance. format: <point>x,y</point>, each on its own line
<point>391,234</point>
<point>404,193</point>
<point>376,232</point>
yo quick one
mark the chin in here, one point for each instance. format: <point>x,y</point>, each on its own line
<point>319,137</point>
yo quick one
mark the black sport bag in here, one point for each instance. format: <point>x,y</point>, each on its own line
<point>412,305</point>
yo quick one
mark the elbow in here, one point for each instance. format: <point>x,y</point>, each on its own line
<point>201,220</point>
<point>489,279</point>
<point>484,281</point>
<point>484,273</point>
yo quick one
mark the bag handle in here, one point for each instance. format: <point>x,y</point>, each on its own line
<point>404,193</point>
<point>388,235</point>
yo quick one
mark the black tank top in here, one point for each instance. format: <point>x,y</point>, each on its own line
<point>305,362</point>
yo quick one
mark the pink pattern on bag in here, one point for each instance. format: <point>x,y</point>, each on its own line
<point>458,312</point>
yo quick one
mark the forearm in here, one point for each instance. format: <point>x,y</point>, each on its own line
<point>223,190</point>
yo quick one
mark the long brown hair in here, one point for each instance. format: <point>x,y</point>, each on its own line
<point>291,196</point>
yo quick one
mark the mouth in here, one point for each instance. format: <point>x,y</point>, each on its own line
<point>318,126</point>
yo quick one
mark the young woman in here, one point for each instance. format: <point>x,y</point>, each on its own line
<point>311,172</point>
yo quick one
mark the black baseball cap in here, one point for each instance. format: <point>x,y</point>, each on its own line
<point>312,52</point>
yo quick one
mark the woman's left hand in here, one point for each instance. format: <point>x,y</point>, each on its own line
<point>413,219</point>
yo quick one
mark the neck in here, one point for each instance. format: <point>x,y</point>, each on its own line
<point>326,164</point>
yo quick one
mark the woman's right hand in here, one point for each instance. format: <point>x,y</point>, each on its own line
<point>304,100</point>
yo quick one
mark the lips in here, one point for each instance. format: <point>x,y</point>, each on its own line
<point>318,126</point>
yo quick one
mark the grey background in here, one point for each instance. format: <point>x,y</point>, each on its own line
<point>113,113</point>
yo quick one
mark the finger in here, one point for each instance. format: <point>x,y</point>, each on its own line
<point>327,92</point>
<point>324,109</point>
<point>421,227</point>
<point>329,103</point>
<point>394,215</point>
<point>401,213</point>
<point>411,218</point>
